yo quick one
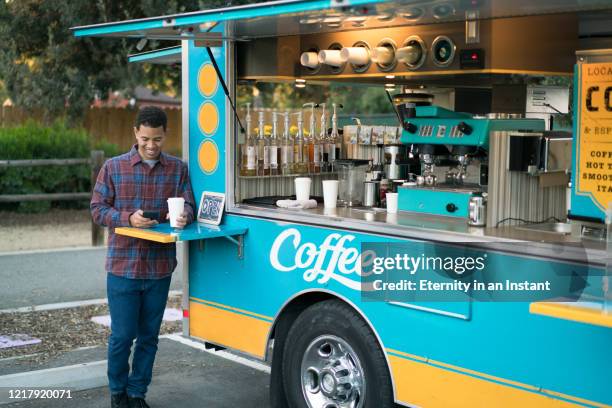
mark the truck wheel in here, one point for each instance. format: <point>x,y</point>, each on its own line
<point>331,359</point>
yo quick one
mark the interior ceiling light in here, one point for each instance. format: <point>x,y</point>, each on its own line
<point>299,85</point>
<point>310,20</point>
<point>385,17</point>
<point>300,81</point>
<point>389,85</point>
<point>332,20</point>
<point>207,26</point>
<point>443,10</point>
<point>357,19</point>
<point>390,76</point>
<point>413,13</point>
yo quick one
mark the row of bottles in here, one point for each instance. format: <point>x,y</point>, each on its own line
<point>275,154</point>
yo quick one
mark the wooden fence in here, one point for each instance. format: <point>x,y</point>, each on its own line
<point>95,161</point>
<point>113,125</point>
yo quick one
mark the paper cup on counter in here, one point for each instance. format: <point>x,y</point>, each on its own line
<point>302,188</point>
<point>391,202</point>
<point>330,193</point>
<point>176,206</point>
<point>332,212</point>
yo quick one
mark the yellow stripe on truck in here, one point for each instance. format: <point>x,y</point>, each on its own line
<point>228,329</point>
<point>427,386</point>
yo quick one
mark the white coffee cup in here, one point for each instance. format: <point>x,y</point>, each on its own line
<point>332,212</point>
<point>330,193</point>
<point>176,207</point>
<point>391,202</point>
<point>302,188</point>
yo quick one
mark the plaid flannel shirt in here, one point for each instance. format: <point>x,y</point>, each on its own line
<point>126,184</point>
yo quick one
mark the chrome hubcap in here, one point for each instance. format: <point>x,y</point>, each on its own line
<point>331,373</point>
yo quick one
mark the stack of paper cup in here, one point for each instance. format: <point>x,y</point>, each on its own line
<point>302,188</point>
<point>330,57</point>
<point>310,60</point>
<point>383,55</point>
<point>176,207</point>
<point>330,193</point>
<point>355,55</point>
<point>391,202</point>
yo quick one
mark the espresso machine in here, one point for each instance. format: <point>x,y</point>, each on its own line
<point>397,165</point>
<point>461,156</point>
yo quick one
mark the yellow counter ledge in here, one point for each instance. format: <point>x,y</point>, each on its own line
<point>165,234</point>
<point>145,234</point>
<point>572,311</point>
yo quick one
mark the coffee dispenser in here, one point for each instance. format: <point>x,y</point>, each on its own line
<point>464,159</point>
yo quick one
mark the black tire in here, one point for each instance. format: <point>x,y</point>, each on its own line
<point>278,398</point>
<point>335,318</point>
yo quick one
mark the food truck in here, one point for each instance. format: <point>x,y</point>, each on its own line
<point>465,260</point>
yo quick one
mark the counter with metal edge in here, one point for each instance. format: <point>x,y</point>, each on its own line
<point>434,228</point>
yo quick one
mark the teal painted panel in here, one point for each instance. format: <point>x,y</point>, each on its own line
<point>502,339</point>
<point>207,122</point>
<point>435,125</point>
<point>438,112</point>
<point>434,202</point>
<point>279,8</point>
<point>196,230</point>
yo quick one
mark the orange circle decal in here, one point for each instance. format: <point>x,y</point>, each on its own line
<point>208,157</point>
<point>208,118</point>
<point>207,80</point>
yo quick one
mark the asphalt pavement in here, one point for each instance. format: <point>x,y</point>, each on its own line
<point>53,276</point>
<point>183,376</point>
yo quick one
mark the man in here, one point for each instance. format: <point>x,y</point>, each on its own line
<point>139,271</point>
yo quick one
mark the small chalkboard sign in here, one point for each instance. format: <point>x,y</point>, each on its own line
<point>211,207</point>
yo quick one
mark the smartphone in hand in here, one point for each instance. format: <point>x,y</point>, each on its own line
<point>152,215</point>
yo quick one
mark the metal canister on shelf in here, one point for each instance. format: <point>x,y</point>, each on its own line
<point>477,211</point>
<point>371,193</point>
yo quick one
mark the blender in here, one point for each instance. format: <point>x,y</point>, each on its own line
<point>351,175</point>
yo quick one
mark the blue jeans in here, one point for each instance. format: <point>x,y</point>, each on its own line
<point>136,309</point>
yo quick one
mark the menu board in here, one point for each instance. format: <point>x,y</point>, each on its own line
<point>211,207</point>
<point>594,136</point>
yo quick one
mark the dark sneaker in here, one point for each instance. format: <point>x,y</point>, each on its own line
<point>137,402</point>
<point>119,400</point>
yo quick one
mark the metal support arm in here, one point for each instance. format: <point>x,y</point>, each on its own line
<point>238,240</point>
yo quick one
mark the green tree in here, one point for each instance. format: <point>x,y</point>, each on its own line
<point>42,65</point>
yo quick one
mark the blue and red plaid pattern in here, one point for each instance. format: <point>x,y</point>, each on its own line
<point>126,184</point>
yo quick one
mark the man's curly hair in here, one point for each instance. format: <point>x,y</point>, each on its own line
<point>151,116</point>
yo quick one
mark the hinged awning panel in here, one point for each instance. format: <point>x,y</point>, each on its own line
<point>163,56</point>
<point>197,24</point>
<point>293,17</point>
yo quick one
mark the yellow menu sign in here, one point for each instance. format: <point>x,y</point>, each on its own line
<point>594,158</point>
